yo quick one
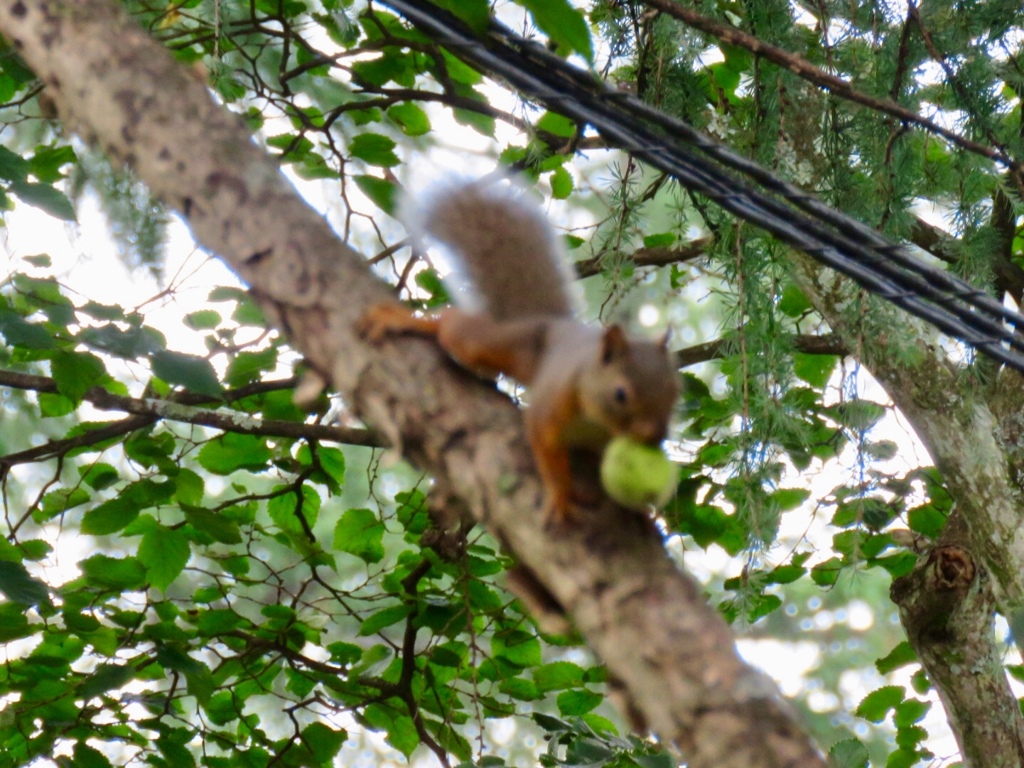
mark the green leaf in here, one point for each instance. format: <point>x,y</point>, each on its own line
<point>14,623</point>
<point>98,476</point>
<point>827,573</point>
<point>561,184</point>
<point>110,516</point>
<point>374,149</point>
<point>481,123</point>
<point>128,343</point>
<point>876,704</point>
<point>102,311</point>
<point>85,756</point>
<point>662,240</point>
<point>927,520</point>
<point>332,461</point>
<point>285,510</point>
<point>45,197</point>
<point>219,622</point>
<point>151,450</point>
<point>564,24</point>
<point>247,367</point>
<point>476,13</point>
<point>203,319</point>
<point>400,729</point>
<point>848,753</point>
<point>410,117</point>
<point>883,450</point>
<point>323,741</point>
<point>385,617</point>
<point>359,532</point>
<point>383,194</point>
<point>558,675</point>
<point>39,260</point>
<point>787,499</point>
<point>902,758</point>
<point>19,333</point>
<point>59,501</point>
<point>113,515</point>
<point>574,703</point>
<point>857,414</point>
<point>557,125</point>
<point>551,724</point>
<point>8,87</point>
<point>197,675</point>
<point>75,373</point>
<point>875,513</point>
<point>793,302</point>
<point>189,371</point>
<point>118,573</point>
<point>655,760</point>
<point>47,162</point>
<point>899,656</point>
<point>165,552</point>
<point>521,689</point>
<point>222,708</point>
<point>518,648</point>
<point>725,77</point>
<point>909,712</point>
<point>762,606</point>
<point>785,574</point>
<point>816,370</point>
<point>216,526</point>
<point>52,406</point>
<point>344,653</point>
<point>449,738</point>
<point>189,487</point>
<point>232,451</point>
<point>18,586</point>
<point>106,677</point>
<point>13,167</point>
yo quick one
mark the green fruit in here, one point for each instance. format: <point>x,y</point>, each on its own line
<point>637,475</point>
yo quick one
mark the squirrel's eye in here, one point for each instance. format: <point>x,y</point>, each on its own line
<point>620,395</point>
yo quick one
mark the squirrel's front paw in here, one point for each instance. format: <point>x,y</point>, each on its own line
<point>386,318</point>
<point>560,511</point>
<point>380,320</point>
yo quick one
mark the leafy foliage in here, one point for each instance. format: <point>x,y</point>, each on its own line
<point>206,577</point>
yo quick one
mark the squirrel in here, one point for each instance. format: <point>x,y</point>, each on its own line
<point>585,384</point>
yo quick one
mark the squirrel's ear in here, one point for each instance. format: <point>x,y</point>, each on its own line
<point>663,341</point>
<point>613,343</point>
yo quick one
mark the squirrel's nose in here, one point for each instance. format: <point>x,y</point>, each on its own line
<point>651,431</point>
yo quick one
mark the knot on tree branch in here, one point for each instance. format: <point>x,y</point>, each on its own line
<point>939,600</point>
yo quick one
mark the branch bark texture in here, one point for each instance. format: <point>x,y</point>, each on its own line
<point>673,656</point>
<point>946,607</point>
<point>947,604</point>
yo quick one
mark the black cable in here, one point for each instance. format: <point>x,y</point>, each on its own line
<point>804,232</point>
<point>800,220</point>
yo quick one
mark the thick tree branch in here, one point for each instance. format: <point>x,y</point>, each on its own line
<point>648,621</point>
<point>944,607</point>
<point>947,608</point>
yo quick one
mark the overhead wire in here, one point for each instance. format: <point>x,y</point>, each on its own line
<point>791,214</point>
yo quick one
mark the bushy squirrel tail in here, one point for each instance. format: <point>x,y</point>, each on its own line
<point>505,250</point>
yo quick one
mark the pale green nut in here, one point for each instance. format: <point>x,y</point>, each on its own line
<point>637,475</point>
